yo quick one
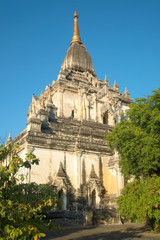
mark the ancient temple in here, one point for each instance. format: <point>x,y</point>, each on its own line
<point>66,128</point>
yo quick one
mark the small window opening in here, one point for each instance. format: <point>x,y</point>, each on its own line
<point>105,118</point>
<point>72,115</point>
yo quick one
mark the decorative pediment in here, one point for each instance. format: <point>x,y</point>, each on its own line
<point>93,173</point>
<point>104,93</point>
<point>62,181</point>
<point>61,172</point>
<point>94,182</point>
<point>107,107</point>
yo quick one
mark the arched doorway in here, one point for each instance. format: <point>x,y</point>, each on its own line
<point>62,196</point>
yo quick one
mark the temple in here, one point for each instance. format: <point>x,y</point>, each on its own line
<point>66,128</point>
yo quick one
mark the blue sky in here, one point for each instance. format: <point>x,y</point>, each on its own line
<point>122,37</point>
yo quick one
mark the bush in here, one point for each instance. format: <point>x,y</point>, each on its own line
<point>140,202</point>
<point>34,194</point>
<point>20,205</point>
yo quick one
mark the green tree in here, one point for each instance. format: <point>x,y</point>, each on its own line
<point>137,139</point>
<point>20,217</point>
<point>140,202</point>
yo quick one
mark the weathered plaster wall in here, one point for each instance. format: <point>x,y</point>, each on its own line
<point>70,103</point>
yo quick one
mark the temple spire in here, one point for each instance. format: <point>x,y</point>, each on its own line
<point>76,36</point>
<point>9,138</point>
<point>106,79</point>
<point>126,93</point>
<point>115,85</point>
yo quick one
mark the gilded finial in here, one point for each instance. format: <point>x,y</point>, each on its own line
<point>75,13</point>
<point>76,36</point>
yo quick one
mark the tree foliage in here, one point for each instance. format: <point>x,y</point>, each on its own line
<point>20,206</point>
<point>34,194</point>
<point>137,140</point>
<point>140,201</point>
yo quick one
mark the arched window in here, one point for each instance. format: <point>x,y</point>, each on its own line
<point>105,118</point>
<point>94,198</point>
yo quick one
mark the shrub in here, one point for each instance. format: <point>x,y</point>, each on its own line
<point>20,205</point>
<point>140,202</point>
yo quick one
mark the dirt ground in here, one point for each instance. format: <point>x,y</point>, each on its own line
<point>105,232</point>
